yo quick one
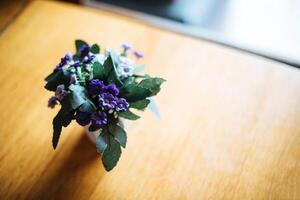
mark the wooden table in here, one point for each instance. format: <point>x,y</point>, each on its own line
<point>230,126</point>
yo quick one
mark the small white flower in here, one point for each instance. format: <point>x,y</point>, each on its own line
<point>125,67</point>
<point>100,58</point>
<point>108,51</point>
<point>89,68</point>
<point>115,115</point>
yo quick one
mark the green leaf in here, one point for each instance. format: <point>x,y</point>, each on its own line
<point>152,84</point>
<point>76,57</point>
<point>111,154</point>
<point>79,74</point>
<point>52,76</point>
<point>101,143</point>
<point>77,88</point>
<point>78,97</point>
<point>107,66</point>
<point>138,69</point>
<point>119,133</point>
<point>153,107</point>
<point>114,78</point>
<point>95,48</point>
<point>114,56</point>
<point>54,79</point>
<point>57,127</point>
<point>141,76</point>
<point>66,106</point>
<point>129,115</point>
<point>110,70</point>
<point>140,105</point>
<point>66,75</point>
<point>87,106</point>
<point>79,44</point>
<point>57,78</point>
<point>98,70</point>
<point>60,120</point>
<point>135,92</point>
<point>72,101</point>
<point>67,118</point>
<point>76,100</point>
<point>127,81</point>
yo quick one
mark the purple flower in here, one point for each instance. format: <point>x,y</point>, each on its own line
<point>60,92</point>
<point>83,118</point>
<point>73,79</point>
<point>122,105</point>
<point>68,57</point>
<point>126,47</point>
<point>95,87</point>
<point>76,64</point>
<point>63,61</point>
<point>98,119</point>
<point>138,54</point>
<point>52,102</point>
<point>112,89</point>
<point>107,101</point>
<point>84,50</point>
<point>87,59</point>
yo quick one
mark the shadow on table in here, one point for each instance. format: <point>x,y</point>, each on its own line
<point>80,169</point>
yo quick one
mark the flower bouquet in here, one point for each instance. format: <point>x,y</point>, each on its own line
<point>98,89</point>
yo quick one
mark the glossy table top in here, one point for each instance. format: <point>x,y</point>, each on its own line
<point>230,125</point>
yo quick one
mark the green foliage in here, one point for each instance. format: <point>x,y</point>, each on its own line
<point>129,115</point>
<point>127,81</point>
<point>107,66</point>
<point>57,78</point>
<point>110,70</point>
<point>111,154</point>
<point>136,89</point>
<point>134,92</point>
<point>101,142</point>
<point>98,70</point>
<point>79,97</point>
<point>79,44</point>
<point>152,84</point>
<point>119,134</point>
<point>114,78</point>
<point>76,98</point>
<point>57,127</point>
<point>153,107</point>
<point>108,142</point>
<point>61,119</point>
<point>140,105</point>
<point>76,57</point>
<point>53,80</point>
<point>88,106</point>
<point>95,48</point>
<point>140,91</point>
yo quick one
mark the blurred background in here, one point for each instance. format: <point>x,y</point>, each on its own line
<point>269,28</point>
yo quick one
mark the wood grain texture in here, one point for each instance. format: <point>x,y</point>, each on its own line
<point>10,10</point>
<point>230,126</point>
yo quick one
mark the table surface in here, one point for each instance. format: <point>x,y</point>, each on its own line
<point>230,125</point>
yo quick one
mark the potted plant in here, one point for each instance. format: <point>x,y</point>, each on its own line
<point>98,88</point>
